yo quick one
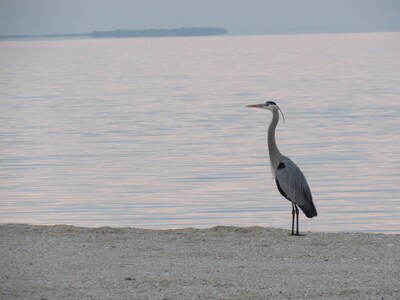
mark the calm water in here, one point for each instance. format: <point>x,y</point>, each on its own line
<point>155,133</point>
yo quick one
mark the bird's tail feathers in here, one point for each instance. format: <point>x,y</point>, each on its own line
<point>309,210</point>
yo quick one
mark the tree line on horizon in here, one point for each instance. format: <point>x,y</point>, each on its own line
<point>185,31</point>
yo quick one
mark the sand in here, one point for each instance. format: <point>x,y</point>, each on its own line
<point>65,262</point>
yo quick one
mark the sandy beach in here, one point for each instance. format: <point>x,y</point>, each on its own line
<point>65,262</point>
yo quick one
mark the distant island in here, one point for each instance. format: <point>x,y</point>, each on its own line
<point>194,31</point>
<point>174,32</point>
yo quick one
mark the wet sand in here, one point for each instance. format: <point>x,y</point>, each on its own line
<point>65,262</point>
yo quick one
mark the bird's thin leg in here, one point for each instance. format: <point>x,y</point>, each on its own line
<point>293,212</point>
<point>297,221</point>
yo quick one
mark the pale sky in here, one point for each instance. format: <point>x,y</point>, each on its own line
<point>238,16</point>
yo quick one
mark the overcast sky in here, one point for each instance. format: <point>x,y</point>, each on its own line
<point>238,16</point>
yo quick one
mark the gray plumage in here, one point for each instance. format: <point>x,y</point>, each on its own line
<point>291,182</point>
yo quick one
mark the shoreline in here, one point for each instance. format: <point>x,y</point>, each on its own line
<point>67,262</point>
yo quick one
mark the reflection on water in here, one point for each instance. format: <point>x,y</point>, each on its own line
<point>155,133</point>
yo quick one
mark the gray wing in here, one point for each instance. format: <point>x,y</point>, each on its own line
<point>293,185</point>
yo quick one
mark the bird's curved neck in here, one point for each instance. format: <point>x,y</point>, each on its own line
<point>274,153</point>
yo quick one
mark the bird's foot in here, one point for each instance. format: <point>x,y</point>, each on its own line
<point>297,234</point>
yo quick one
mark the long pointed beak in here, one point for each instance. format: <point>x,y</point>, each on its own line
<point>255,105</point>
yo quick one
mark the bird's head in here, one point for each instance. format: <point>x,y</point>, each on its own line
<point>269,105</point>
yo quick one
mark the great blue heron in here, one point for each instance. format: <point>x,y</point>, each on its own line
<point>291,182</point>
